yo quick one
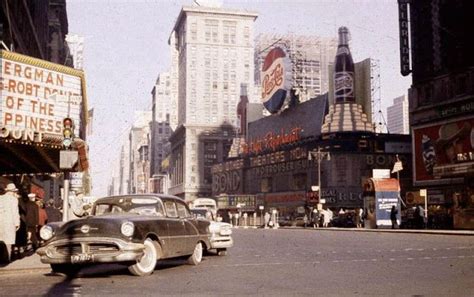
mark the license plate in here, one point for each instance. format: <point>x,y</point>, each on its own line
<point>81,258</point>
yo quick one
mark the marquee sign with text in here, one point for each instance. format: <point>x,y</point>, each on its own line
<point>35,97</point>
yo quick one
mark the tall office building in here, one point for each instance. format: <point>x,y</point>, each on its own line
<point>397,116</point>
<point>139,158</point>
<point>164,122</point>
<point>214,56</point>
<point>310,56</point>
<point>76,49</point>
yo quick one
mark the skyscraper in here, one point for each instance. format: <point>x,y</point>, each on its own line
<point>164,120</point>
<point>215,53</point>
<point>397,116</point>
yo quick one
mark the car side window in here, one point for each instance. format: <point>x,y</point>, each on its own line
<point>170,208</point>
<point>182,211</point>
<point>159,210</point>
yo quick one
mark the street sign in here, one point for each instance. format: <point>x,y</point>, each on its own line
<point>76,179</point>
<point>423,192</point>
<point>67,159</point>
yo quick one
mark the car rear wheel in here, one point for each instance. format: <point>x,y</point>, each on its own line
<point>146,264</point>
<point>67,269</point>
<point>196,257</point>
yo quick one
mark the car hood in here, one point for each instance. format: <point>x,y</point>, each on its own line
<point>219,227</point>
<point>104,225</point>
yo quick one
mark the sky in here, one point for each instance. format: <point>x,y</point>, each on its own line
<point>126,48</point>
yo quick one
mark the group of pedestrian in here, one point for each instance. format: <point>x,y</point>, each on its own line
<point>21,217</point>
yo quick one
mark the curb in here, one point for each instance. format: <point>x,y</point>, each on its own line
<point>406,231</point>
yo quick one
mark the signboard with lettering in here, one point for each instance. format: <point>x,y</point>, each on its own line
<point>276,80</point>
<point>36,96</point>
<point>443,150</point>
<point>404,38</point>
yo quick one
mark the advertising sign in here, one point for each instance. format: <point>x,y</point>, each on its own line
<point>35,97</point>
<point>443,150</point>
<point>276,80</point>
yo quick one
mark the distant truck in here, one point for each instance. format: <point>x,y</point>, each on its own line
<point>205,203</point>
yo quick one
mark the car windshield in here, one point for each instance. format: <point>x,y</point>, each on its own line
<point>202,213</point>
<point>154,209</point>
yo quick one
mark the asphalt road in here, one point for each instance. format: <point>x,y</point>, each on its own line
<point>285,263</point>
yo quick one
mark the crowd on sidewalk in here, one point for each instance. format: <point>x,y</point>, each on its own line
<point>21,217</point>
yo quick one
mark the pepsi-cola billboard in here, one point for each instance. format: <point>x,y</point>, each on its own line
<point>443,150</point>
<point>277,80</point>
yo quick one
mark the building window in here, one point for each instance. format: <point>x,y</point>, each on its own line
<point>211,30</point>
<point>230,29</point>
<point>193,31</point>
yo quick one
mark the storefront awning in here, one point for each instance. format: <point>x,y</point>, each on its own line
<point>17,157</point>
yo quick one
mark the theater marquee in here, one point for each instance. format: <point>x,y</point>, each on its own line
<point>35,97</point>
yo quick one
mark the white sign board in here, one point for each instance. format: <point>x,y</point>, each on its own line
<point>36,96</point>
<point>381,173</point>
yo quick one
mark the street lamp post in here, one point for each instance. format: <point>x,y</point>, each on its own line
<point>319,155</point>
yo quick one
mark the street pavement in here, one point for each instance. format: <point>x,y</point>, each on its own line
<point>31,261</point>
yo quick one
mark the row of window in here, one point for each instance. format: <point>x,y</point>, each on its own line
<point>216,32</point>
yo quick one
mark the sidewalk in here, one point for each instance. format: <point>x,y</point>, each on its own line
<point>31,261</point>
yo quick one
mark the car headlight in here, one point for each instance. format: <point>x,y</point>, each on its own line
<point>46,232</point>
<point>226,230</point>
<point>214,227</point>
<point>127,229</point>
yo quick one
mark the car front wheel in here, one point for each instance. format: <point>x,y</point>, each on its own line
<point>196,257</point>
<point>146,264</point>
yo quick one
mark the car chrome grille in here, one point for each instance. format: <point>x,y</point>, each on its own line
<point>95,248</point>
<point>102,248</point>
<point>69,249</point>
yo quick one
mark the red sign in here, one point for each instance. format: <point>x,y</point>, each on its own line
<point>437,146</point>
<point>272,141</point>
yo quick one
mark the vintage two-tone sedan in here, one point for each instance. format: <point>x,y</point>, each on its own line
<point>135,230</point>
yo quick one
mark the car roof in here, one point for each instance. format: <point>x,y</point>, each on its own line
<point>130,196</point>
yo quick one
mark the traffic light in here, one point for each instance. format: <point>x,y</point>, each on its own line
<point>68,132</point>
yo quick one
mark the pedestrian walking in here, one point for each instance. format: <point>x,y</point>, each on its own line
<point>419,217</point>
<point>9,220</point>
<point>21,239</point>
<point>42,217</point>
<point>358,218</point>
<point>32,219</point>
<point>305,220</point>
<point>393,216</point>
<point>267,219</point>
<point>315,218</point>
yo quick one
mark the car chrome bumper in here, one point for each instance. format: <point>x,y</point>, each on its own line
<point>90,250</point>
<point>220,242</point>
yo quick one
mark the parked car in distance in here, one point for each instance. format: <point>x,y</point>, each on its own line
<point>220,232</point>
<point>135,230</point>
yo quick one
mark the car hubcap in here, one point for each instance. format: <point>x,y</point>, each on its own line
<point>148,259</point>
<point>198,252</point>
